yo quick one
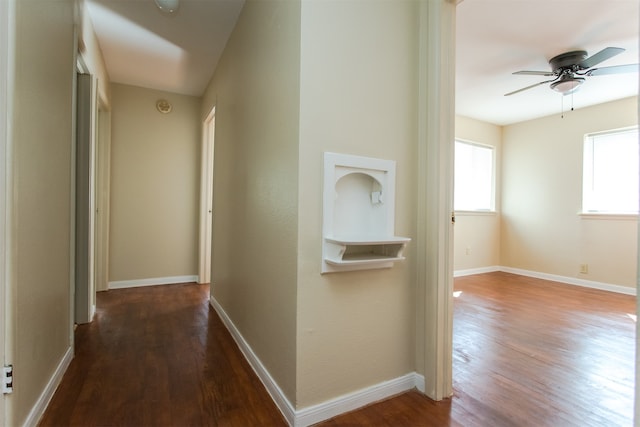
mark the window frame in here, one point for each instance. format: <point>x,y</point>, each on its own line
<point>492,209</point>
<point>613,214</point>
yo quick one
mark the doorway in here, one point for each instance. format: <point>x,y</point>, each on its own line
<point>102,192</point>
<point>206,197</point>
<point>85,199</point>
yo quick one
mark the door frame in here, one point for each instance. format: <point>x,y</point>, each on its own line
<point>206,197</point>
<point>637,377</point>
<point>7,26</point>
<point>434,243</point>
<point>102,195</point>
<point>85,215</point>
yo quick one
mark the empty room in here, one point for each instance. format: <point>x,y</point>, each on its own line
<point>311,212</point>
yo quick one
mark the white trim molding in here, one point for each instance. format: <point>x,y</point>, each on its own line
<point>552,277</point>
<point>572,281</point>
<point>349,402</point>
<point>325,410</point>
<point>7,68</point>
<point>479,270</point>
<point>206,197</point>
<point>45,397</point>
<point>272,387</point>
<point>121,284</point>
<point>434,228</point>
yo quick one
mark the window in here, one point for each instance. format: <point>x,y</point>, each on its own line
<point>610,172</point>
<point>473,177</point>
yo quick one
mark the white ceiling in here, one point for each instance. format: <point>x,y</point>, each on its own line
<point>178,53</point>
<point>145,47</point>
<point>498,37</point>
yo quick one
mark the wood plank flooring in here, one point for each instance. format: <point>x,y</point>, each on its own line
<point>527,352</point>
<point>159,356</point>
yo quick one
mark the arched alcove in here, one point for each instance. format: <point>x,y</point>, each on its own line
<point>359,207</point>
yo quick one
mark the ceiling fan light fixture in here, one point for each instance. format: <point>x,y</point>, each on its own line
<point>167,6</point>
<point>567,85</point>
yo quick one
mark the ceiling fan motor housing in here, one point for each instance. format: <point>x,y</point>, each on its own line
<point>568,60</point>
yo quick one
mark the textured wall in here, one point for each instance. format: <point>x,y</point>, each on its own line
<point>358,96</point>
<point>542,196</point>
<point>477,235</point>
<point>254,264</point>
<point>40,209</point>
<point>155,185</point>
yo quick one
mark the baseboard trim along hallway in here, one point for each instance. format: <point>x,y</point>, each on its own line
<point>122,284</point>
<point>43,401</point>
<point>523,349</point>
<point>272,387</point>
<point>325,410</point>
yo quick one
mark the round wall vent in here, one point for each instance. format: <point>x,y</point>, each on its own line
<point>163,106</point>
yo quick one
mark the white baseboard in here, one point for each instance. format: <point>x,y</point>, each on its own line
<point>121,284</point>
<point>572,281</point>
<point>546,276</point>
<point>323,411</point>
<point>480,270</point>
<point>270,384</point>
<point>349,402</point>
<point>41,404</point>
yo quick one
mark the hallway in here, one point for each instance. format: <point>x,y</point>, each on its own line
<point>527,352</point>
<point>159,356</point>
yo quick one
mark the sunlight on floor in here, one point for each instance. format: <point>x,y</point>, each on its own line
<point>456,294</point>
<point>633,317</point>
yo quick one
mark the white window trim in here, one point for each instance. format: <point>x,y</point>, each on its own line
<point>476,213</point>
<point>606,215</point>
<point>609,216</point>
<point>494,174</point>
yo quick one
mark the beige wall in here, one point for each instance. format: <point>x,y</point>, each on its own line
<point>155,184</point>
<point>539,193</point>
<point>319,336</point>
<point>477,235</point>
<point>39,281</point>
<point>358,96</point>
<point>254,263</point>
<point>542,190</point>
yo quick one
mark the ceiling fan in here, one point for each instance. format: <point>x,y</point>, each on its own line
<point>570,69</point>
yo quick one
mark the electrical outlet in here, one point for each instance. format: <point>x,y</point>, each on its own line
<point>584,268</point>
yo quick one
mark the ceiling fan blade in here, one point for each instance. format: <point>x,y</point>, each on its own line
<point>535,73</point>
<point>616,69</point>
<point>603,55</point>
<point>530,87</point>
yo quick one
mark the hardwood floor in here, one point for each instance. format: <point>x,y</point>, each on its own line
<point>159,356</point>
<point>526,353</point>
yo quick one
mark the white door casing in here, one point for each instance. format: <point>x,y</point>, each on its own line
<point>85,199</point>
<point>434,243</point>
<point>6,98</point>
<point>206,197</point>
<point>102,192</point>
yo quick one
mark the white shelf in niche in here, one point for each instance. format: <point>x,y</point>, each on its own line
<point>371,253</point>
<point>358,214</point>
